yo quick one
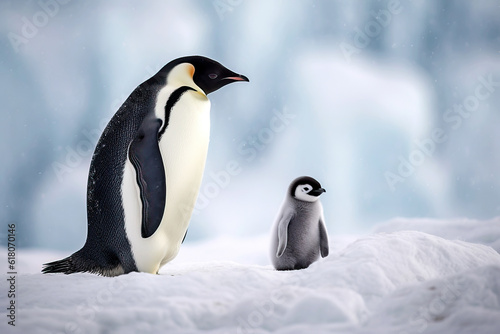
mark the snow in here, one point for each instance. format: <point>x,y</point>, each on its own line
<point>396,280</point>
<point>486,232</point>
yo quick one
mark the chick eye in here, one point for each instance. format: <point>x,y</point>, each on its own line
<point>212,76</point>
<point>306,189</point>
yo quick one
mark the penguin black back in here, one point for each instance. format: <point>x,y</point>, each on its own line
<point>104,214</point>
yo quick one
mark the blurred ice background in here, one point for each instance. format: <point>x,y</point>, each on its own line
<point>349,92</point>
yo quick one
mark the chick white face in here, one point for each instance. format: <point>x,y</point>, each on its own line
<point>307,193</point>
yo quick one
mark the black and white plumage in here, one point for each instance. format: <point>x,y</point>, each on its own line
<point>146,171</point>
<point>299,233</point>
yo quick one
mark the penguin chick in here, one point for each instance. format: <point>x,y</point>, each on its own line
<point>299,233</point>
<point>146,171</point>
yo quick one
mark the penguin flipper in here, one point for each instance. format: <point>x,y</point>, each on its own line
<point>145,156</point>
<point>323,238</point>
<point>283,232</point>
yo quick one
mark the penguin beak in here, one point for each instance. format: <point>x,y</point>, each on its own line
<point>237,77</point>
<point>317,192</point>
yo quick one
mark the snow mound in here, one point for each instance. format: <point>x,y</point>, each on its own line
<point>485,232</point>
<point>382,283</point>
<point>462,303</point>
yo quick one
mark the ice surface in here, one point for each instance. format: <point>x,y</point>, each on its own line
<point>399,282</point>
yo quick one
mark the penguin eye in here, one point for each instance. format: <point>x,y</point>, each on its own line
<point>212,76</point>
<point>306,189</point>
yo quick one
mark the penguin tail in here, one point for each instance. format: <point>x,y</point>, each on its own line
<point>75,263</point>
<point>65,266</point>
<point>79,263</point>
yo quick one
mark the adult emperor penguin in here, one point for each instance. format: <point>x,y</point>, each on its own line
<point>299,234</point>
<point>146,171</point>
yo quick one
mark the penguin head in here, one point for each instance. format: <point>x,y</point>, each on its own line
<point>200,73</point>
<point>306,188</point>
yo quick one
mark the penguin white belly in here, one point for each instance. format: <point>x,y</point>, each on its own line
<point>183,147</point>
